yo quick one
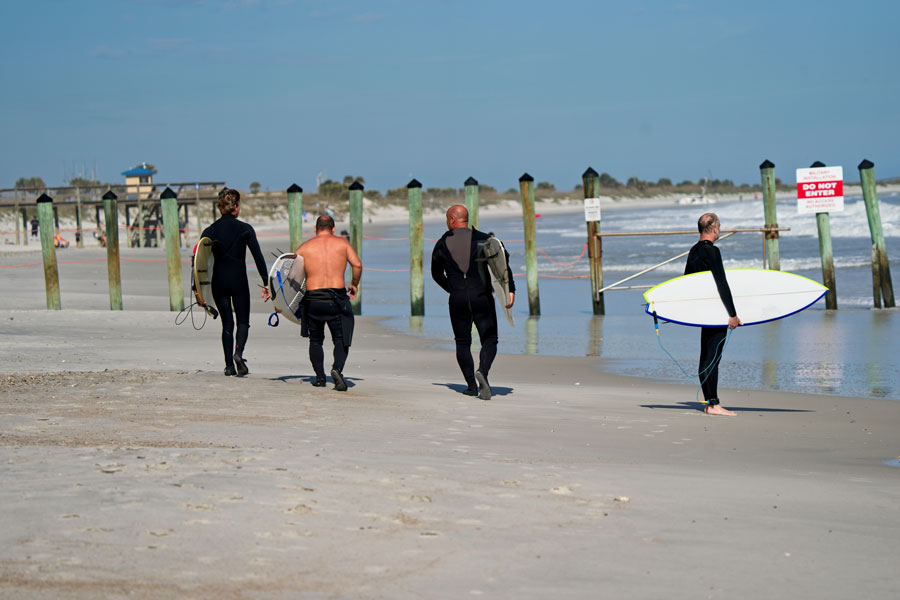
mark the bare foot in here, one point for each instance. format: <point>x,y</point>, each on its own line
<point>718,409</point>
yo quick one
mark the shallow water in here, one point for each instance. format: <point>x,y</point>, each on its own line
<point>854,351</point>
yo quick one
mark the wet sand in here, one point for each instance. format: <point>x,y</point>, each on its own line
<point>132,467</point>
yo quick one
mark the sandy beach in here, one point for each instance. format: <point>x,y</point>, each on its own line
<point>133,468</point>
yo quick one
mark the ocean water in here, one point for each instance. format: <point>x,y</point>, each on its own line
<point>854,351</point>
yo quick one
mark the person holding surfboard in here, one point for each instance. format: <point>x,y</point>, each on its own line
<point>230,287</point>
<point>459,266</point>
<point>326,301</point>
<point>704,256</point>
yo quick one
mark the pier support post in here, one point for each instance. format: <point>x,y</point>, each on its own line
<point>169,204</point>
<point>526,187</point>
<point>472,201</point>
<point>882,287</point>
<point>416,250</point>
<point>823,223</point>
<point>25,225</point>
<point>356,235</point>
<point>16,219</point>
<point>767,174</point>
<point>591,185</point>
<point>295,215</point>
<point>111,221</point>
<point>79,234</point>
<point>48,250</point>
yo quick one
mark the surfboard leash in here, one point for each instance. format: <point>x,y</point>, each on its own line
<point>275,313</point>
<point>182,316</point>
<point>717,357</point>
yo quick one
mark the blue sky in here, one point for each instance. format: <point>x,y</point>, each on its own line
<point>277,90</point>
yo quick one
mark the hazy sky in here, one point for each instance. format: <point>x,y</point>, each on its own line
<point>277,90</point>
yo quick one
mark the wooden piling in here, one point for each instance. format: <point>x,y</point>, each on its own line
<point>356,198</point>
<point>79,235</point>
<point>472,201</point>
<point>416,249</point>
<point>295,215</point>
<point>526,187</point>
<point>169,204</point>
<point>48,249</point>
<point>26,226</point>
<point>882,287</point>
<point>111,219</point>
<point>591,185</point>
<point>767,174</point>
<point>823,223</point>
<point>16,219</point>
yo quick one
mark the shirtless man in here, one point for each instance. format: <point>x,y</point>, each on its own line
<point>326,301</point>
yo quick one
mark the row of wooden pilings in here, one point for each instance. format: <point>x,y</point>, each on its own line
<point>882,286</point>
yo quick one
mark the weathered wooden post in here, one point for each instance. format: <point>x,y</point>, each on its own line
<point>356,198</point>
<point>823,223</point>
<point>51,272</point>
<point>27,229</point>
<point>416,249</point>
<point>79,235</point>
<point>526,187</point>
<point>882,286</point>
<point>295,215</point>
<point>591,185</point>
<point>472,201</point>
<point>169,203</point>
<point>16,218</point>
<point>111,218</point>
<point>767,173</point>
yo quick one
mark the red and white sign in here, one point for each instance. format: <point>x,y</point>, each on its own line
<point>820,189</point>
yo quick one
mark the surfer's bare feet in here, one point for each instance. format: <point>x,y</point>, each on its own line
<point>240,364</point>
<point>719,410</point>
<point>339,383</point>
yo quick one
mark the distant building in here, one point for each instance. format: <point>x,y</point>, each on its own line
<point>139,181</point>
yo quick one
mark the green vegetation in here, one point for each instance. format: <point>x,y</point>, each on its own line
<point>30,183</point>
<point>254,187</point>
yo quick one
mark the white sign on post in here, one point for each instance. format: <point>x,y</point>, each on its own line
<point>820,190</point>
<point>592,209</point>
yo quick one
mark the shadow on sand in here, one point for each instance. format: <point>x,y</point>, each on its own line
<point>495,390</point>
<point>699,406</point>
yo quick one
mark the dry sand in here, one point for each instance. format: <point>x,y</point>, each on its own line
<point>132,468</point>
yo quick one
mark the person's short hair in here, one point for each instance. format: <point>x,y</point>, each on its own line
<point>324,222</point>
<point>228,200</point>
<point>707,222</point>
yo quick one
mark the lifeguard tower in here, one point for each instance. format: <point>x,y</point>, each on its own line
<point>139,187</point>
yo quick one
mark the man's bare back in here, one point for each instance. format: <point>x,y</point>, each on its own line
<point>325,259</point>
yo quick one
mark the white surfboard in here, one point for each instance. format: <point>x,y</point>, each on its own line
<point>287,284</point>
<point>759,296</point>
<point>496,262</point>
<point>201,275</point>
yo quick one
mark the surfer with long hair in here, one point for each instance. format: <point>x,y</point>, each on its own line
<point>230,287</point>
<point>704,256</point>
<point>459,267</point>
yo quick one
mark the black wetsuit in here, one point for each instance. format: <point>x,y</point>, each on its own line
<point>230,287</point>
<point>321,307</point>
<point>704,256</point>
<point>464,274</point>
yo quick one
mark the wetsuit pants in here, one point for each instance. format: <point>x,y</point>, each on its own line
<point>712,342</point>
<point>241,302</point>
<point>318,314</point>
<point>466,309</point>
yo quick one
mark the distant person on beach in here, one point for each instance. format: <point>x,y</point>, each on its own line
<point>327,302</point>
<point>704,256</point>
<point>458,267</point>
<point>34,227</point>
<point>60,242</point>
<point>230,287</point>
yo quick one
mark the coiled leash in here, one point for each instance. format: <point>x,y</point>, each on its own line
<point>275,313</point>
<point>720,351</point>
